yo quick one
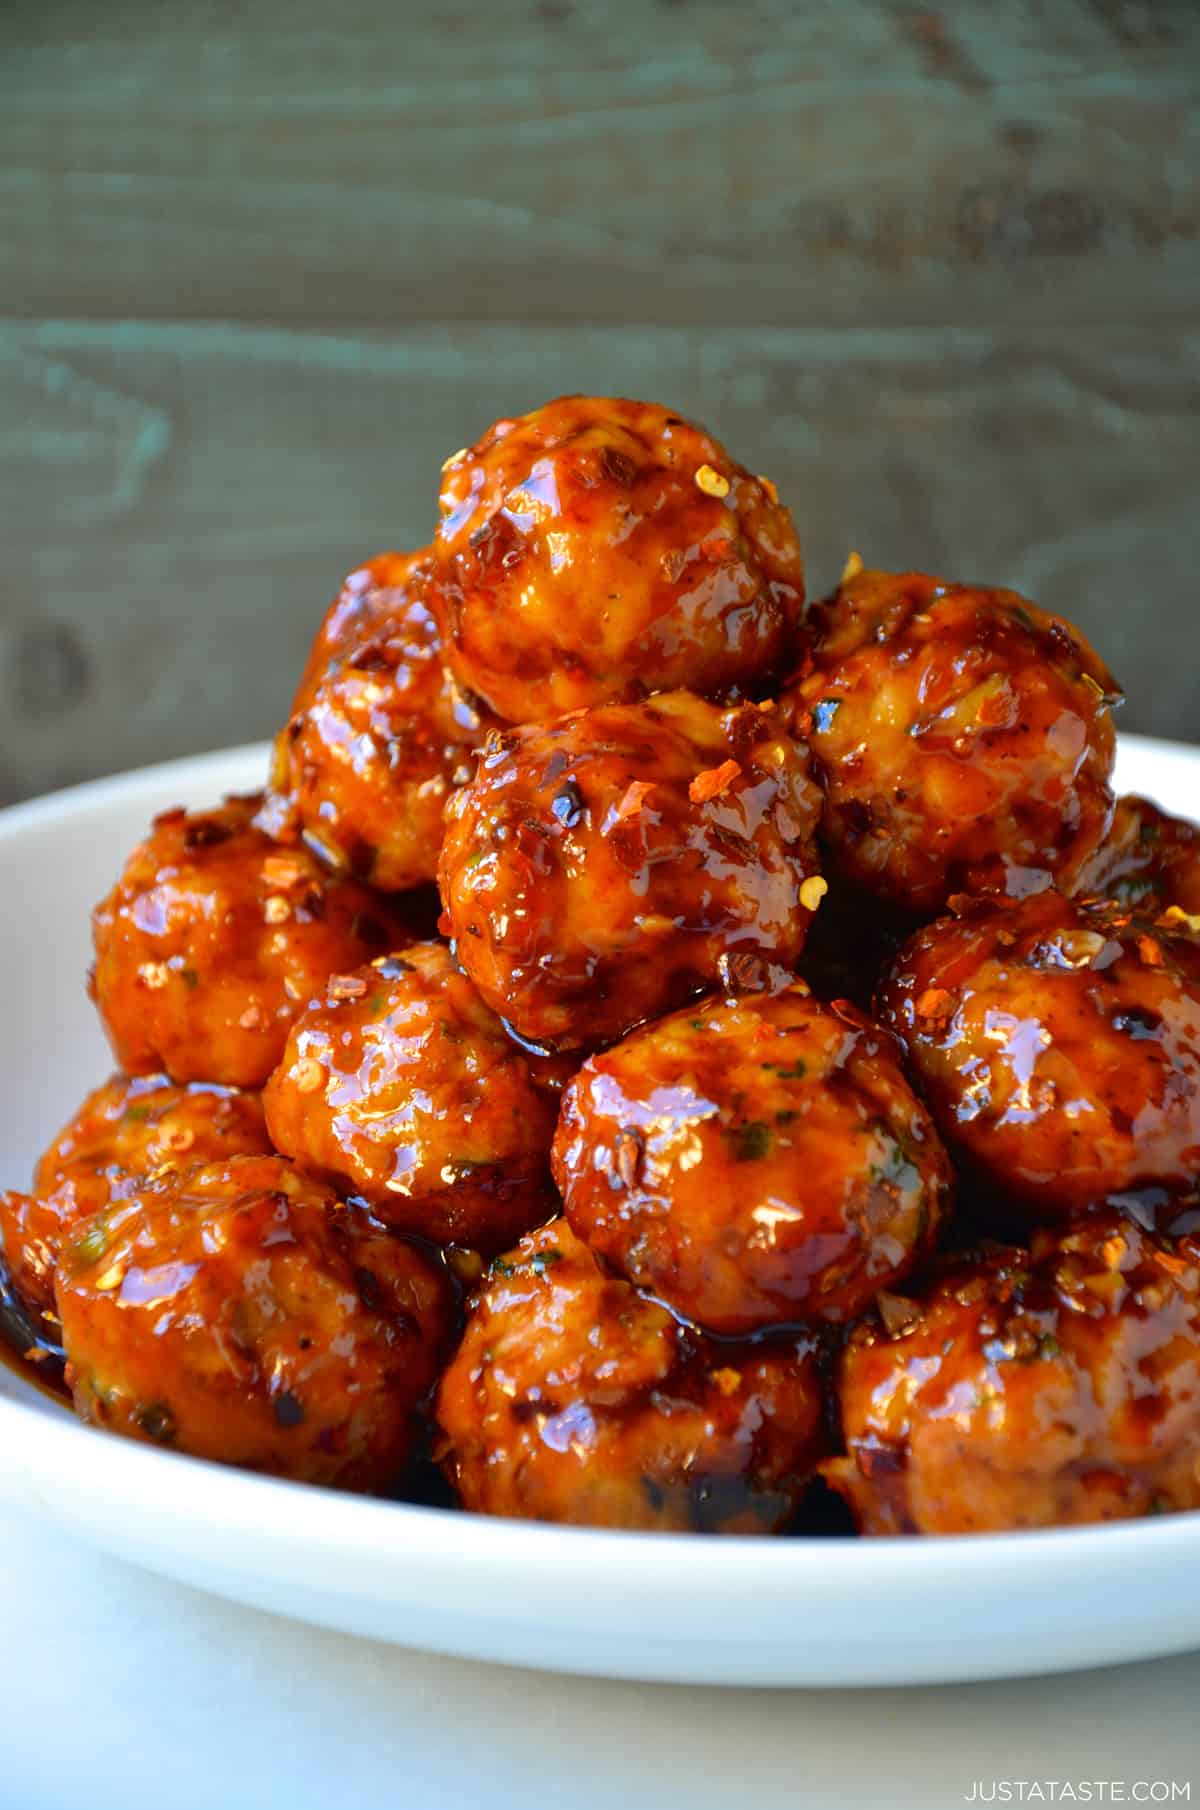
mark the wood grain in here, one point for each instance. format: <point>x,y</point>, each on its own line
<point>937,270</point>
<point>195,492</point>
<point>686,163</point>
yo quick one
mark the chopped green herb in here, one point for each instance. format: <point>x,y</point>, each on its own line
<point>90,1244</point>
<point>1048,1346</point>
<point>137,1115</point>
<point>190,977</point>
<point>751,1142</point>
<point>156,1421</point>
<point>543,1261</point>
<point>795,1072</point>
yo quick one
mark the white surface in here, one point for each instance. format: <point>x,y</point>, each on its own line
<point>123,1692</point>
<point>733,1611</point>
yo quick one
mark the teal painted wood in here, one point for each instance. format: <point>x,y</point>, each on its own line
<point>188,496</point>
<point>696,162</point>
<point>936,270</point>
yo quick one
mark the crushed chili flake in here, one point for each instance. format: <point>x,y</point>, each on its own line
<point>634,798</point>
<point>716,546</point>
<point>713,782</point>
<point>711,481</point>
<point>852,567</point>
<point>252,1018</point>
<point>347,986</point>
<point>935,1004</point>
<point>1150,952</point>
<point>308,1076</point>
<point>282,871</point>
<point>727,1379</point>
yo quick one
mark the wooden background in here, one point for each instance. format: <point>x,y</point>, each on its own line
<point>262,265</point>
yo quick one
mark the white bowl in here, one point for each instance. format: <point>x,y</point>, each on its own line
<point>669,1607</point>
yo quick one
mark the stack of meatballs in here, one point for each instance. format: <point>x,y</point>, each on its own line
<point>792,1083</point>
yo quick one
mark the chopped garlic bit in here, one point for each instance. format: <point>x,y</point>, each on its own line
<point>711,481</point>
<point>812,891</point>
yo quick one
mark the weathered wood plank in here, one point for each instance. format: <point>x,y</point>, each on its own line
<point>184,498</point>
<point>681,163</point>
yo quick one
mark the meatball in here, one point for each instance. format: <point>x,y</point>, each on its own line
<point>124,1131</point>
<point>600,870</point>
<point>1149,860</point>
<point>240,1313</point>
<point>1034,1388</point>
<point>598,550</point>
<point>573,1399</point>
<point>963,737</point>
<point>753,1163</point>
<point>405,1089</point>
<point>379,734</point>
<point>1057,1044</point>
<point>214,940</point>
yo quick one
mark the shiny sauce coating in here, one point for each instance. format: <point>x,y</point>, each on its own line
<point>962,735</point>
<point>241,1313</point>
<point>599,870</point>
<point>125,1131</point>
<point>1034,1388</point>
<point>753,1163</point>
<point>379,735</point>
<point>1057,1044</point>
<point>214,940</point>
<point>598,550</point>
<point>405,1089</point>
<point>572,1399</point>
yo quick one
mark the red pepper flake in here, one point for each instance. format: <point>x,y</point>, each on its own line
<point>934,1004</point>
<point>1150,952</point>
<point>36,1354</point>
<point>713,782</point>
<point>716,546</point>
<point>633,800</point>
<point>347,986</point>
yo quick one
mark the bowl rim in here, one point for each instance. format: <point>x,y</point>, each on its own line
<point>40,1433</point>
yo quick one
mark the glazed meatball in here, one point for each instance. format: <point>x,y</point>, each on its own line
<point>1030,1389</point>
<point>753,1163</point>
<point>379,734</point>
<point>405,1089</point>
<point>600,870</point>
<point>124,1131</point>
<point>1149,860</point>
<point>1057,1044</point>
<point>573,1399</point>
<point>214,940</point>
<point>598,550</point>
<point>963,737</point>
<point>241,1313</point>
